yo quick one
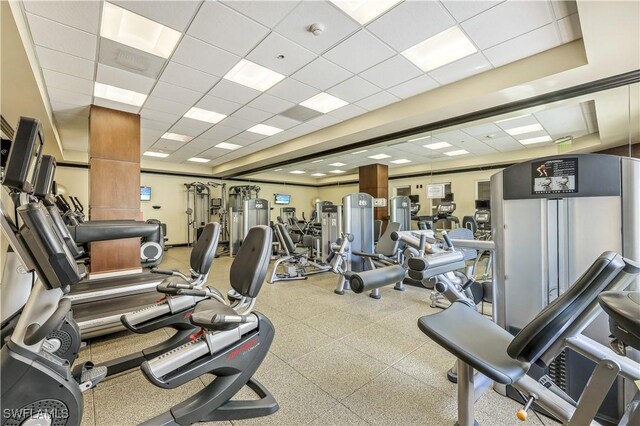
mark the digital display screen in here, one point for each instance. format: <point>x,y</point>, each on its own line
<point>555,176</point>
<point>145,193</point>
<point>282,199</point>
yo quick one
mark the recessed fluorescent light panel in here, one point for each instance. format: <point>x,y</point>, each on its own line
<point>535,140</point>
<point>277,170</point>
<point>199,160</point>
<point>317,161</point>
<point>438,145</point>
<point>263,129</point>
<point>225,145</point>
<point>359,152</point>
<point>337,164</point>
<point>324,103</point>
<point>401,161</point>
<point>365,11</point>
<point>419,139</point>
<point>441,49</point>
<point>155,154</point>
<point>512,118</point>
<point>379,156</point>
<point>118,94</point>
<point>253,75</point>
<point>204,115</point>
<point>297,172</point>
<point>126,27</point>
<point>524,129</point>
<point>337,171</point>
<point>318,174</point>
<point>177,137</point>
<point>457,152</point>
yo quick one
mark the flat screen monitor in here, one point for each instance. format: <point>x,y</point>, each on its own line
<point>282,199</point>
<point>414,198</point>
<point>483,204</point>
<point>448,197</point>
<point>145,193</point>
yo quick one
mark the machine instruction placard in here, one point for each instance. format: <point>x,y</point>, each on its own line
<point>555,176</point>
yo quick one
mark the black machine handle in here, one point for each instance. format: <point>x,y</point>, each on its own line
<point>36,333</point>
<point>447,240</point>
<point>162,271</point>
<point>192,292</point>
<point>79,204</point>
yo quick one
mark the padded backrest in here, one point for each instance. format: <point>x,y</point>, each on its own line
<point>204,250</point>
<point>464,234</point>
<point>387,246</point>
<point>377,230</point>
<point>249,267</point>
<point>537,336</point>
<point>283,235</point>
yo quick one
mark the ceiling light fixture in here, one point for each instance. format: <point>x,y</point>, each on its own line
<point>400,161</point>
<point>324,103</point>
<point>126,27</point>
<point>457,152</point>
<point>204,115</point>
<point>277,170</point>
<point>297,172</point>
<point>379,156</point>
<point>225,145</point>
<point>441,49</point>
<point>253,75</point>
<point>177,137</point>
<point>539,139</point>
<point>437,145</point>
<point>524,129</point>
<point>359,152</point>
<point>512,118</point>
<point>337,171</point>
<point>318,174</point>
<point>155,154</point>
<point>317,161</point>
<point>118,94</point>
<point>337,164</point>
<point>365,11</point>
<point>199,160</point>
<point>263,129</point>
<point>419,139</point>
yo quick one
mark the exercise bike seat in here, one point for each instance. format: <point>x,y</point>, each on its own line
<point>206,311</point>
<point>481,343</point>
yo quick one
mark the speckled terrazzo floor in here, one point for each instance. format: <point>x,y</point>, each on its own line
<point>335,360</point>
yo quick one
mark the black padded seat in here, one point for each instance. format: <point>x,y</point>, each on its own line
<point>205,248</point>
<point>480,343</point>
<point>168,285</point>
<point>623,308</point>
<point>206,310</point>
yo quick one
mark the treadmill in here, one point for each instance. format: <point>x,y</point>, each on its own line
<point>98,304</point>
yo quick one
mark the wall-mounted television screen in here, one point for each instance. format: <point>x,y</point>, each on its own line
<point>282,199</point>
<point>145,193</point>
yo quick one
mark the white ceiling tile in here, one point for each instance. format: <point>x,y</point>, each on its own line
<point>173,14</point>
<point>348,111</point>
<point>219,105</point>
<point>272,104</point>
<point>62,109</point>
<point>463,10</point>
<point>60,37</point>
<point>353,89</point>
<point>147,133</point>
<point>204,57</point>
<point>252,114</point>
<point>377,101</point>
<point>268,13</point>
<point>526,120</point>
<point>295,25</point>
<point>188,78</point>
<point>563,8</point>
<point>198,145</point>
<point>477,148</point>
<point>413,87</point>
<point>460,69</point>
<point>268,51</point>
<point>65,63</point>
<point>359,52</point>
<point>293,90</point>
<point>281,122</point>
<point>324,121</point>
<point>563,121</point>
<point>166,105</point>
<point>215,152</point>
<point>116,105</point>
<point>528,44</point>
<point>175,93</point>
<point>154,125</point>
<point>67,82</point>
<point>167,145</point>
<point>391,72</point>
<point>234,92</point>
<point>570,28</point>
<point>186,126</point>
<point>124,79</point>
<point>221,26</point>
<point>411,22</point>
<point>161,116</point>
<point>507,20</point>
<point>505,143</point>
<point>481,131</point>
<point>220,133</point>
<point>69,97</point>
<point>246,138</point>
<point>237,123</point>
<point>303,128</point>
<point>83,15</point>
<point>118,55</point>
<point>321,74</point>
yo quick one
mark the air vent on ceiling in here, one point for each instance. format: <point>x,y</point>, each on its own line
<point>300,113</point>
<point>129,59</point>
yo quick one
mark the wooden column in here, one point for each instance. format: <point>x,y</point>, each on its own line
<point>374,180</point>
<point>114,185</point>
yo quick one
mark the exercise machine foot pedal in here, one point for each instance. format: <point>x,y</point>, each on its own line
<point>246,409</point>
<point>88,375</point>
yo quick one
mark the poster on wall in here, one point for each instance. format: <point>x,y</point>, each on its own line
<point>435,190</point>
<point>555,176</point>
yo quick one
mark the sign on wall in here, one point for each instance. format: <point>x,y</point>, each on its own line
<point>435,190</point>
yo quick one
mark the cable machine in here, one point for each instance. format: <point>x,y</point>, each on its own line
<point>219,208</point>
<point>198,212</point>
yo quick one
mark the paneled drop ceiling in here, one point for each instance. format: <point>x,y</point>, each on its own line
<point>358,60</point>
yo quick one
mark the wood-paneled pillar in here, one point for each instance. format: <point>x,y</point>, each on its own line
<point>114,185</point>
<point>374,180</point>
